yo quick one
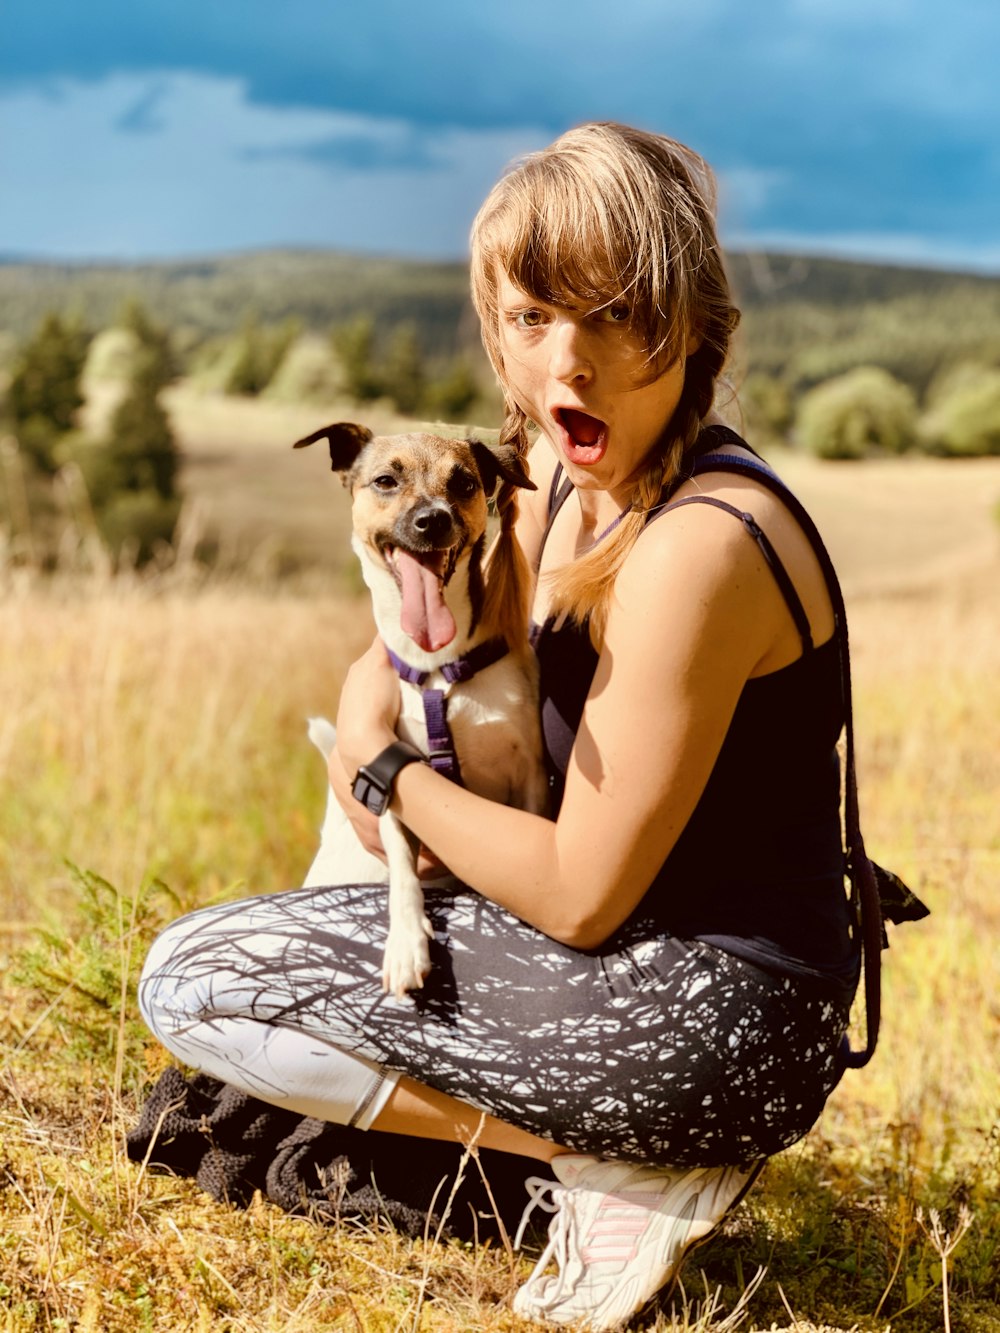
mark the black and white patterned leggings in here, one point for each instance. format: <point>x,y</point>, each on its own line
<point>657,1049</point>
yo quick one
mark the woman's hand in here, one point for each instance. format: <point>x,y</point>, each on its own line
<point>366,724</point>
<point>368,709</point>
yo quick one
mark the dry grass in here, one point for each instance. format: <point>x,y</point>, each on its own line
<point>155,727</point>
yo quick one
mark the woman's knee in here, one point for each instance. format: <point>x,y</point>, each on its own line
<point>168,989</point>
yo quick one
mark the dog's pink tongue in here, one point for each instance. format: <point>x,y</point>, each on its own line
<point>425,617</point>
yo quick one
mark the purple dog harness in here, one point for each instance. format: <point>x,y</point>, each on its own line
<point>440,745</point>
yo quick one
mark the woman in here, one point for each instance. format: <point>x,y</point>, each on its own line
<point>648,991</point>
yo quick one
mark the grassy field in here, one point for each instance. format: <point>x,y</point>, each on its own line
<point>152,733</point>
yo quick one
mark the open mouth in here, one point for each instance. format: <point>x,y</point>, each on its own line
<point>422,577</point>
<point>584,437</point>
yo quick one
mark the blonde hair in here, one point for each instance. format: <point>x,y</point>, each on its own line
<point>610,213</point>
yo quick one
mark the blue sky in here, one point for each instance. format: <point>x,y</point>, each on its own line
<point>159,128</point>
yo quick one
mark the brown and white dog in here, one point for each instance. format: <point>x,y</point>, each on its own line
<point>419,508</point>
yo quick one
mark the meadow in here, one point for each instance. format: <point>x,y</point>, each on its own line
<point>153,757</point>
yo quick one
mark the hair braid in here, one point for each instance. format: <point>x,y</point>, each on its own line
<point>507,584</point>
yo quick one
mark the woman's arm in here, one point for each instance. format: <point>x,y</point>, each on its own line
<point>695,611</point>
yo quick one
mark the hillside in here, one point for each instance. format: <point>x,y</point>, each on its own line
<point>213,295</point>
<point>804,318</point>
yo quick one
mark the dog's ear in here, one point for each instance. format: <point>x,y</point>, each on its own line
<point>346,442</point>
<point>500,461</point>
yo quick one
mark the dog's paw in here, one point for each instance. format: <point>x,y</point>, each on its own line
<point>407,959</point>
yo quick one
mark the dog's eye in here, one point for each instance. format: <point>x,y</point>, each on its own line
<point>385,482</point>
<point>462,485</point>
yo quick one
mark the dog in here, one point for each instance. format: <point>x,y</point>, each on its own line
<point>419,515</point>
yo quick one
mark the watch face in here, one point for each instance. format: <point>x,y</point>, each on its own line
<point>372,795</point>
<point>373,784</point>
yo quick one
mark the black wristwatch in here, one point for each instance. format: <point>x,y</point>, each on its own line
<point>373,784</point>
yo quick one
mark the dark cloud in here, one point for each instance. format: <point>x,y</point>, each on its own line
<point>856,115</point>
<point>525,62</point>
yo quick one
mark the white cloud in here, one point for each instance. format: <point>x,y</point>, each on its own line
<point>746,191</point>
<point>139,166</point>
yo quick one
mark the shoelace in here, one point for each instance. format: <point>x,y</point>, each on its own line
<point>537,1187</point>
<point>560,1247</point>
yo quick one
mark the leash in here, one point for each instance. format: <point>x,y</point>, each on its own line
<point>442,756</point>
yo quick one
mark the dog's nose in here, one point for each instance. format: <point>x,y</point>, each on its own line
<point>432,522</point>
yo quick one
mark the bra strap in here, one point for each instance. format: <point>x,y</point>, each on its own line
<point>787,587</point>
<point>559,492</point>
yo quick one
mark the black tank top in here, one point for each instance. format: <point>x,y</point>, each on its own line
<point>759,868</point>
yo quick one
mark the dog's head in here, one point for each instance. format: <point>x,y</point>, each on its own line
<point>419,505</point>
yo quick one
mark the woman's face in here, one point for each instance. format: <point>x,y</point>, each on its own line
<point>583,377</point>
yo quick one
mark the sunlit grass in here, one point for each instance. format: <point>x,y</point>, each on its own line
<point>154,728</point>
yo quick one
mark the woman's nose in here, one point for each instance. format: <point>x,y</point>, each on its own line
<point>569,358</point>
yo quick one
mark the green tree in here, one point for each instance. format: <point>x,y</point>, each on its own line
<point>855,415</point>
<point>257,355</point>
<point>140,504</point>
<point>131,475</point>
<point>450,397</point>
<point>141,442</point>
<point>44,396</point>
<point>154,347</point>
<point>404,377</point>
<point>354,344</point>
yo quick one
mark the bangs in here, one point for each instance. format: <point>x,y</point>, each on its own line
<point>582,227</point>
<point>564,248</point>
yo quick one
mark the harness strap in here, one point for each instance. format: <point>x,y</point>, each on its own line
<point>440,744</point>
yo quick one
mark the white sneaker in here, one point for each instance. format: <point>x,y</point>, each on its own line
<point>620,1231</point>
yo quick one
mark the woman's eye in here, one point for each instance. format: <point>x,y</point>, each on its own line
<point>617,312</point>
<point>528,319</point>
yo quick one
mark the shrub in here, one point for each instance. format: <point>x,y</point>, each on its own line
<point>856,415</point>
<point>450,397</point>
<point>111,355</point>
<point>767,402</point>
<point>964,416</point>
<point>134,523</point>
<point>85,971</point>
<point>309,373</point>
<point>354,346</point>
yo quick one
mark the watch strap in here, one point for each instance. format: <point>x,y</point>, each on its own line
<point>374,781</point>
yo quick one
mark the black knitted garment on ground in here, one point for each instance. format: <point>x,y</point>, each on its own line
<point>233,1144</point>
